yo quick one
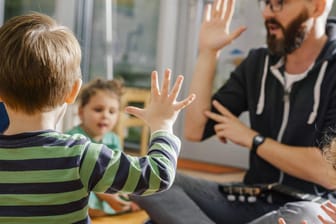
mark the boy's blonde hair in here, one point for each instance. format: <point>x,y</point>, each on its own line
<point>39,63</point>
<point>113,87</point>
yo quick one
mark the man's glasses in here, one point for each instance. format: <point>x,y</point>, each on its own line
<point>275,5</point>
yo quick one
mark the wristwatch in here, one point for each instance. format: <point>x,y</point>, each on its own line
<point>257,140</point>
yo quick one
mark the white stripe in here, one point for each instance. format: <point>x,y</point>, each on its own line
<point>317,93</point>
<point>261,101</point>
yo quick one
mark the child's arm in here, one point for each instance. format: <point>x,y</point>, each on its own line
<point>115,171</point>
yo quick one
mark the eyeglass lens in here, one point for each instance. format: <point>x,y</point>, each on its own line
<point>275,5</point>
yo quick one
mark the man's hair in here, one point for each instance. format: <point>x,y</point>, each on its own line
<point>39,63</point>
<point>113,87</point>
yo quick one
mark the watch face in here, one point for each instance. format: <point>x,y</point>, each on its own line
<point>259,138</point>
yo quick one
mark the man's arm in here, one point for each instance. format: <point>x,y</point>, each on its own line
<point>201,85</point>
<point>306,163</point>
<point>214,35</point>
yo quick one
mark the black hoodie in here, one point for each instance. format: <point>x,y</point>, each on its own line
<point>300,118</point>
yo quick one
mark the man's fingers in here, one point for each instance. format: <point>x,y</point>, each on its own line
<point>236,33</point>
<point>222,110</point>
<point>229,9</point>
<point>216,117</point>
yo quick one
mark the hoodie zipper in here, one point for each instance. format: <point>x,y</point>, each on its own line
<point>286,99</point>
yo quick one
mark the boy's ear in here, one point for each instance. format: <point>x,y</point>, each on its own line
<point>74,92</point>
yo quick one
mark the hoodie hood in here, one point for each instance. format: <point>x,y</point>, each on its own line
<point>331,28</point>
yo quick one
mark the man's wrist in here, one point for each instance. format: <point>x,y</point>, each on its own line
<point>256,142</point>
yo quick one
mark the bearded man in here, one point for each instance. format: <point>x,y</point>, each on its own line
<point>289,90</point>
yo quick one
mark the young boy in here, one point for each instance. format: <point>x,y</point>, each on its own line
<point>46,176</point>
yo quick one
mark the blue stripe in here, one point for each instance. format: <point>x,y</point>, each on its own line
<point>43,210</point>
<point>84,221</point>
<point>165,179</point>
<point>84,155</point>
<point>38,139</point>
<point>41,188</point>
<point>122,173</point>
<point>165,153</point>
<point>39,164</point>
<point>166,141</point>
<point>100,166</point>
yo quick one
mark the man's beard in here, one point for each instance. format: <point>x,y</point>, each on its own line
<point>293,36</point>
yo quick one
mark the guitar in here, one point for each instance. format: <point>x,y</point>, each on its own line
<point>250,193</point>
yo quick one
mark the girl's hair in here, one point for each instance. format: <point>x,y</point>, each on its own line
<point>114,87</point>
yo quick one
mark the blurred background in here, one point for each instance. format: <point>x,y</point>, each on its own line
<point>130,38</point>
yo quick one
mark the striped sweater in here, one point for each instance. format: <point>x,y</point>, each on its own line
<point>46,177</point>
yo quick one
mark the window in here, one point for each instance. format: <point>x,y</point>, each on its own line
<point>132,42</point>
<point>63,11</point>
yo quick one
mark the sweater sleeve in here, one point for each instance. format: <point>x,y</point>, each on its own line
<point>104,170</point>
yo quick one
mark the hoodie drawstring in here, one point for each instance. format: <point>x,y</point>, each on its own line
<point>261,100</point>
<point>317,92</point>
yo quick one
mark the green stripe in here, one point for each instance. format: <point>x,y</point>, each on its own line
<point>40,176</point>
<point>164,147</point>
<point>40,152</point>
<point>41,199</point>
<point>110,173</point>
<point>89,163</point>
<point>154,179</point>
<point>133,175</point>
<point>168,135</point>
<point>57,219</point>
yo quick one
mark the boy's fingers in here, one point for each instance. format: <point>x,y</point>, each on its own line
<point>154,84</point>
<point>134,111</point>
<point>176,88</point>
<point>166,82</point>
<point>214,8</point>
<point>186,102</point>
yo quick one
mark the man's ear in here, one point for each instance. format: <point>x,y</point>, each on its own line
<point>74,92</point>
<point>319,7</point>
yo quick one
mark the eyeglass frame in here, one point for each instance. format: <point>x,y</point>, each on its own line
<point>263,4</point>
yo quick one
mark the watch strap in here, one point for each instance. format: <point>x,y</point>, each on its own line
<point>257,141</point>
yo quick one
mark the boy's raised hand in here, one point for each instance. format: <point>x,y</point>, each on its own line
<point>163,108</point>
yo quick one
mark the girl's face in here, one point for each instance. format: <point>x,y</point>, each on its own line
<point>100,114</point>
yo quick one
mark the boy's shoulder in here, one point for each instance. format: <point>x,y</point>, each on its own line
<point>75,130</point>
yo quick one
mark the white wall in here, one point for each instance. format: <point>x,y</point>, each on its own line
<point>191,11</point>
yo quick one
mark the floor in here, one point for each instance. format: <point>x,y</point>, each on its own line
<point>200,170</point>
